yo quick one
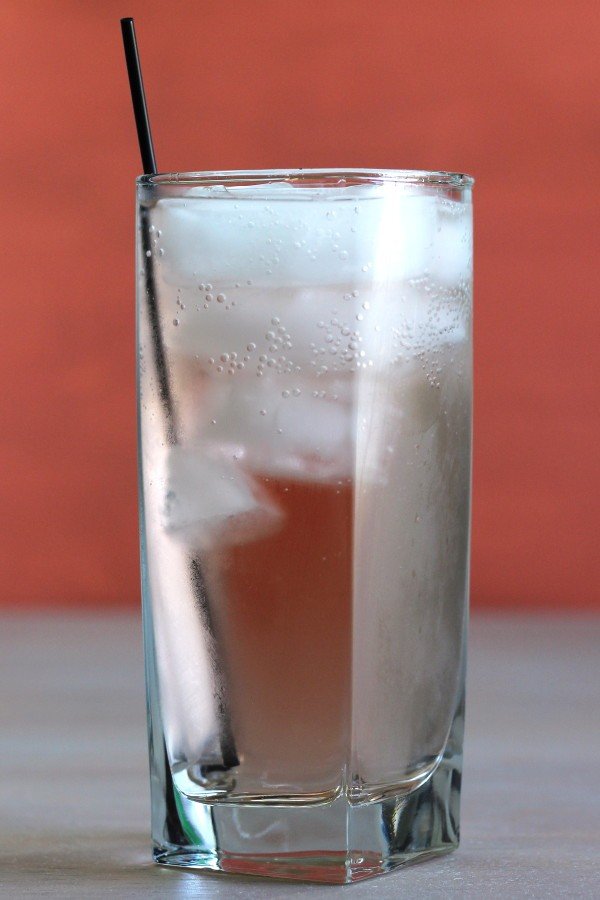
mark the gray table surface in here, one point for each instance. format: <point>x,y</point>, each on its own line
<point>74,792</point>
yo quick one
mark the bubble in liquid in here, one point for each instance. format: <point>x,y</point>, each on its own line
<point>175,321</point>
<point>148,253</point>
<point>275,320</point>
<point>296,392</point>
<point>219,368</point>
<point>285,394</point>
<point>211,360</point>
<point>213,421</point>
<point>270,335</point>
<point>263,412</point>
<point>343,255</point>
<point>221,298</point>
<point>208,298</point>
<point>250,347</point>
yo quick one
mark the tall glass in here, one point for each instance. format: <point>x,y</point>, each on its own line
<point>305,423</point>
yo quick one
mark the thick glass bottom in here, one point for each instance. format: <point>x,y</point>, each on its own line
<point>326,868</point>
<point>335,842</point>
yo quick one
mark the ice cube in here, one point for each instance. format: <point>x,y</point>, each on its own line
<point>210,501</point>
<point>296,237</point>
<point>453,248</point>
<point>287,425</point>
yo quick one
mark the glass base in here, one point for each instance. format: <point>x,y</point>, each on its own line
<point>332,868</point>
<point>337,842</point>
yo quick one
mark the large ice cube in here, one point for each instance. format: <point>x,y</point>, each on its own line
<point>294,236</point>
<point>209,501</point>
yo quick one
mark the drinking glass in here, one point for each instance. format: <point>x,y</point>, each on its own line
<point>304,383</point>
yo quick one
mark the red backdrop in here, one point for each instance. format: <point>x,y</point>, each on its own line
<point>505,91</point>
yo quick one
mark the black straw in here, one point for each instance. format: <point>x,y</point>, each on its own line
<point>138,96</point>
<point>140,109</point>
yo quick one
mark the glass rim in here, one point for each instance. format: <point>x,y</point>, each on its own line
<point>326,177</point>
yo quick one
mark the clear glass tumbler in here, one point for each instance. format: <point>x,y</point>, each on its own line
<point>305,425</point>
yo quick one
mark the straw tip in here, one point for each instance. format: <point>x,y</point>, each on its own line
<point>127,21</point>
